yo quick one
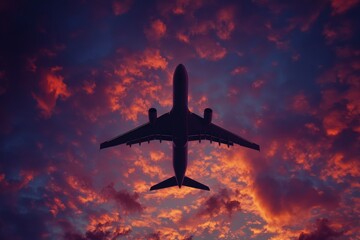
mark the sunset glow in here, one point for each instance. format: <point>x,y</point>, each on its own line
<point>283,74</point>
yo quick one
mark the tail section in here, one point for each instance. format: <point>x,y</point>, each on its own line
<point>170,182</point>
<point>194,184</point>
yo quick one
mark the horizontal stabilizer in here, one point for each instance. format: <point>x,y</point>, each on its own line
<point>194,184</point>
<point>170,182</point>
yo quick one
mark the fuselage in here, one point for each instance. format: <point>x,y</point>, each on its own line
<point>179,115</point>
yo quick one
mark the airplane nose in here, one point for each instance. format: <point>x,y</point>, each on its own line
<point>180,66</point>
<point>180,70</point>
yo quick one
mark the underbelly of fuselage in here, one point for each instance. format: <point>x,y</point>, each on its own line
<point>179,144</point>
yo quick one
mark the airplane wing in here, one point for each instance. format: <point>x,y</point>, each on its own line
<point>199,130</point>
<point>159,130</point>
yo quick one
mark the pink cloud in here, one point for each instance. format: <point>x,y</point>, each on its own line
<point>339,166</point>
<point>209,49</point>
<point>278,40</point>
<point>225,23</point>
<point>341,6</point>
<point>258,84</point>
<point>186,6</point>
<point>239,70</point>
<point>342,30</point>
<point>300,103</point>
<point>121,6</point>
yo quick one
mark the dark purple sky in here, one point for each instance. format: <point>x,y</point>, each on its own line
<point>284,74</point>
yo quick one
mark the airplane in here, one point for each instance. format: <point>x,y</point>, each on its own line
<point>179,126</point>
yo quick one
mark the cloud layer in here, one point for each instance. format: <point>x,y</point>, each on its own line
<point>282,74</point>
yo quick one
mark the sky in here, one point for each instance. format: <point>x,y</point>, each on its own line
<point>283,74</point>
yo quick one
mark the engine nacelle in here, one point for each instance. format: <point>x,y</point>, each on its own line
<point>152,115</point>
<point>208,115</point>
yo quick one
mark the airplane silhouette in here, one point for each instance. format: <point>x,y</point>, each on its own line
<point>179,126</point>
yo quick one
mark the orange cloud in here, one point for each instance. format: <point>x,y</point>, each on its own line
<point>156,31</point>
<point>138,106</point>
<point>149,168</point>
<point>55,206</point>
<point>157,155</point>
<point>334,123</point>
<point>53,87</point>
<point>131,94</point>
<point>152,59</point>
<point>89,87</point>
<point>183,37</point>
<point>85,193</point>
<point>338,167</point>
<point>209,49</point>
<point>281,202</point>
<point>30,64</point>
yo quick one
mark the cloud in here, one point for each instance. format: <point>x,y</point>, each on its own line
<point>100,233</point>
<point>156,31</point>
<point>303,111</point>
<point>323,232</point>
<point>220,202</point>
<point>239,70</point>
<point>225,23</point>
<point>338,31</point>
<point>209,49</point>
<point>278,40</point>
<point>154,236</point>
<point>131,93</point>
<point>300,103</point>
<point>121,6</point>
<point>285,200</point>
<point>53,88</point>
<point>341,6</point>
<point>89,87</point>
<point>182,7</point>
<point>334,123</point>
<point>128,201</point>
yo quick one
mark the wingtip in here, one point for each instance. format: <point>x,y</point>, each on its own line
<point>103,145</point>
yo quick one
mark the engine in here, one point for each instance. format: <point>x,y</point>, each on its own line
<point>152,115</point>
<point>207,115</point>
